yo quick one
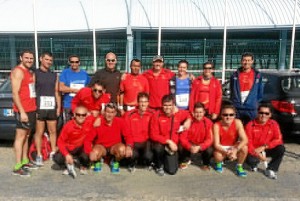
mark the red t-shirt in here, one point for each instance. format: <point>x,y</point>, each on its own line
<point>246,80</point>
<point>108,135</point>
<point>228,137</point>
<point>158,86</point>
<point>131,86</point>
<point>85,98</point>
<point>27,91</point>
<point>198,134</point>
<point>139,125</point>
<point>160,130</point>
<point>72,135</point>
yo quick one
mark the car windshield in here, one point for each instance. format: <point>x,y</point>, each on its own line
<point>291,84</point>
<point>6,86</point>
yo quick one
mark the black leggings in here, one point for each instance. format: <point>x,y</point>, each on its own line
<point>276,154</point>
<point>142,150</point>
<point>76,153</point>
<point>185,155</point>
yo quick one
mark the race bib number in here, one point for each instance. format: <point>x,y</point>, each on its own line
<point>75,86</point>
<point>32,93</point>
<point>47,102</point>
<point>182,100</point>
<point>244,95</point>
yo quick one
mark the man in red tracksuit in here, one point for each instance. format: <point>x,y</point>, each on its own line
<point>207,89</point>
<point>164,130</point>
<point>138,122</point>
<point>71,138</point>
<point>197,139</point>
<point>265,140</point>
<point>158,78</point>
<point>107,139</point>
<point>93,98</point>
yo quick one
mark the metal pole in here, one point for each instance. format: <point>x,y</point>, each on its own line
<point>224,43</point>
<point>159,28</point>
<point>293,36</point>
<point>94,37</point>
<point>51,45</point>
<point>204,50</point>
<point>35,36</point>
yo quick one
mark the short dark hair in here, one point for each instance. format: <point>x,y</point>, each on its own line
<point>46,53</point>
<point>199,105</point>
<point>183,61</point>
<point>248,54</point>
<point>167,98</point>
<point>73,55</point>
<point>265,105</point>
<point>26,51</point>
<point>98,82</point>
<point>207,63</point>
<point>142,95</point>
<point>111,106</point>
<point>135,60</point>
<point>228,106</point>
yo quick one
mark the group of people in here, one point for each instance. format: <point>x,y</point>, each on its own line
<point>159,119</point>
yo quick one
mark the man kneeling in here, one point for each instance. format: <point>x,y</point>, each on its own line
<point>106,140</point>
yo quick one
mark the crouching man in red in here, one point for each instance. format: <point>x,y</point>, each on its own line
<point>138,121</point>
<point>107,140</point>
<point>197,140</point>
<point>164,130</point>
<point>265,140</point>
<point>70,142</point>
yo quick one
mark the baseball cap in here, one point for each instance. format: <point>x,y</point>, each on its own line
<point>157,57</point>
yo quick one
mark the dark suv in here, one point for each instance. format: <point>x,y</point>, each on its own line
<point>282,91</point>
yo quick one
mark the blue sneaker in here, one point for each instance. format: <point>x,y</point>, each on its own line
<point>240,171</point>
<point>98,166</point>
<point>219,167</point>
<point>115,167</point>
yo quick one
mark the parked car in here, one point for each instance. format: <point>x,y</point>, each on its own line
<point>7,119</point>
<point>282,91</point>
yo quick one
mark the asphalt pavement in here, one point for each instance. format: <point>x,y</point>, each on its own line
<point>189,184</point>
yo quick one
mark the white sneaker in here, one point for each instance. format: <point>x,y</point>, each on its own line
<point>271,174</point>
<point>83,171</point>
<point>71,170</point>
<point>39,161</point>
<point>51,155</point>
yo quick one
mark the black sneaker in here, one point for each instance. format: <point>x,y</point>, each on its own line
<point>30,166</point>
<point>21,172</point>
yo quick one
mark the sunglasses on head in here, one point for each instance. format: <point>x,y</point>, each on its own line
<point>228,114</point>
<point>72,62</point>
<point>80,115</point>
<point>110,60</point>
<point>96,90</point>
<point>264,113</point>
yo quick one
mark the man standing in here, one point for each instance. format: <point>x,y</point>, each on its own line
<point>48,105</point>
<point>138,121</point>
<point>246,89</point>
<point>110,76</point>
<point>158,78</point>
<point>265,140</point>
<point>107,140</point>
<point>164,132</point>
<point>132,84</point>
<point>93,98</point>
<point>24,106</point>
<point>71,80</point>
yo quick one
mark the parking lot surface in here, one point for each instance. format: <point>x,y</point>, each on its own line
<point>189,184</point>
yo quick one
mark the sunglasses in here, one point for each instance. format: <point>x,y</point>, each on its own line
<point>208,68</point>
<point>228,115</point>
<point>80,115</point>
<point>96,90</point>
<point>72,62</point>
<point>110,60</point>
<point>264,113</point>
